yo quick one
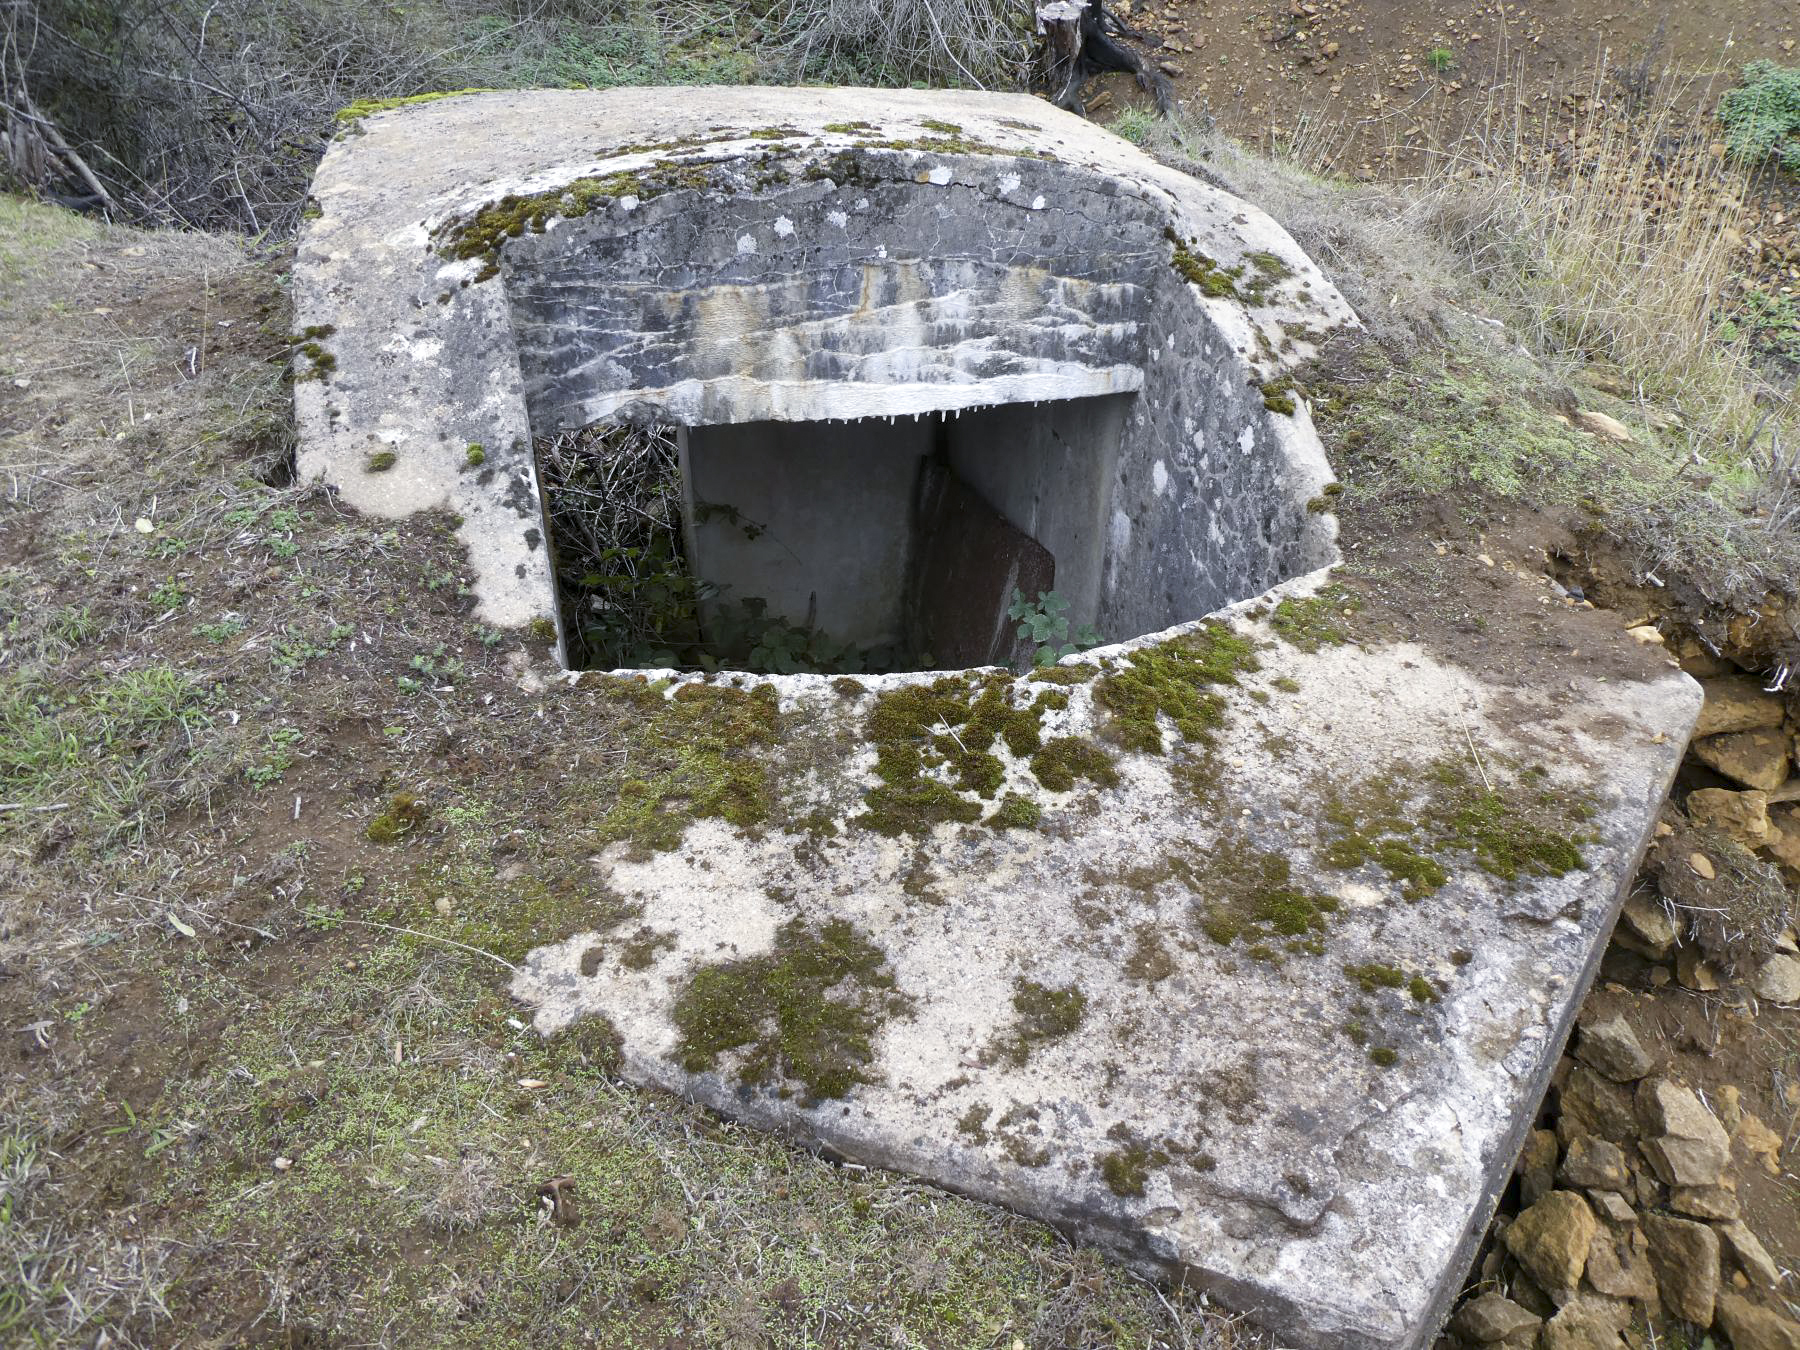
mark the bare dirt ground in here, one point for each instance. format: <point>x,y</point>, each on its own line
<point>1389,79</point>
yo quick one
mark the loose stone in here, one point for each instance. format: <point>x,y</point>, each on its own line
<point>1685,1256</point>
<point>1551,1240</point>
<point>1613,1048</point>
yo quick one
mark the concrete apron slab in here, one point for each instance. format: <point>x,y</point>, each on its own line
<point>1269,1013</point>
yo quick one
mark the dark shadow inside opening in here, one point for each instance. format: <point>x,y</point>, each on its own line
<point>838,547</point>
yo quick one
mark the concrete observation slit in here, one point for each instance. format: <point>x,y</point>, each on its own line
<point>1211,946</point>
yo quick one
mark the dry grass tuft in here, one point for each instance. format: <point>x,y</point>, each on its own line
<point>1611,240</point>
<point>1591,262</point>
<point>464,1191</point>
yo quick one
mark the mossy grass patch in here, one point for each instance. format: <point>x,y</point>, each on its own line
<point>937,749</point>
<point>1126,1171</point>
<point>481,235</point>
<point>702,753</point>
<point>1509,821</point>
<point>804,1013</point>
<point>1041,1014</point>
<point>1249,894</point>
<point>1317,620</point>
<point>1177,679</point>
<point>351,114</point>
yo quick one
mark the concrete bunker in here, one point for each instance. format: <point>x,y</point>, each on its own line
<point>1311,1120</point>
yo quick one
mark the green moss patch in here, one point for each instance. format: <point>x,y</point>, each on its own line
<point>1016,813</point>
<point>1214,281</point>
<point>1316,621</point>
<point>1174,679</point>
<point>1373,975</point>
<point>935,748</point>
<point>703,753</point>
<point>1249,895</point>
<point>1127,1170</point>
<point>1278,395</point>
<point>403,815</point>
<point>1042,1015</point>
<point>481,235</point>
<point>1510,823</point>
<point>804,1013</point>
<point>1064,759</point>
<point>348,116</point>
<point>1075,674</point>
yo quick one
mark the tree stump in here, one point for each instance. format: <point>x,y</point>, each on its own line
<point>1079,43</point>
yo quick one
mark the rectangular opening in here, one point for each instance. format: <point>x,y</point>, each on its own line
<point>871,545</point>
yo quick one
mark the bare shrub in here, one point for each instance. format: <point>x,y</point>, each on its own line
<point>985,43</point>
<point>212,113</point>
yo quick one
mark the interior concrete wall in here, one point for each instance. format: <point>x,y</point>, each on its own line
<point>835,503</point>
<point>1049,469</point>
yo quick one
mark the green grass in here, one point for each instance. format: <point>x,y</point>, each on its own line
<point>32,235</point>
<point>1134,124</point>
<point>411,1203</point>
<point>624,50</point>
<point>92,745</point>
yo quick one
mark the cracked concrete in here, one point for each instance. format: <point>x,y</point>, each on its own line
<point>1313,1127</point>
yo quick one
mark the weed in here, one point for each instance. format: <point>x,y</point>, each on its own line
<point>1045,623</point>
<point>1762,115</point>
<point>72,625</point>
<point>1134,124</point>
<point>279,757</point>
<point>436,666</point>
